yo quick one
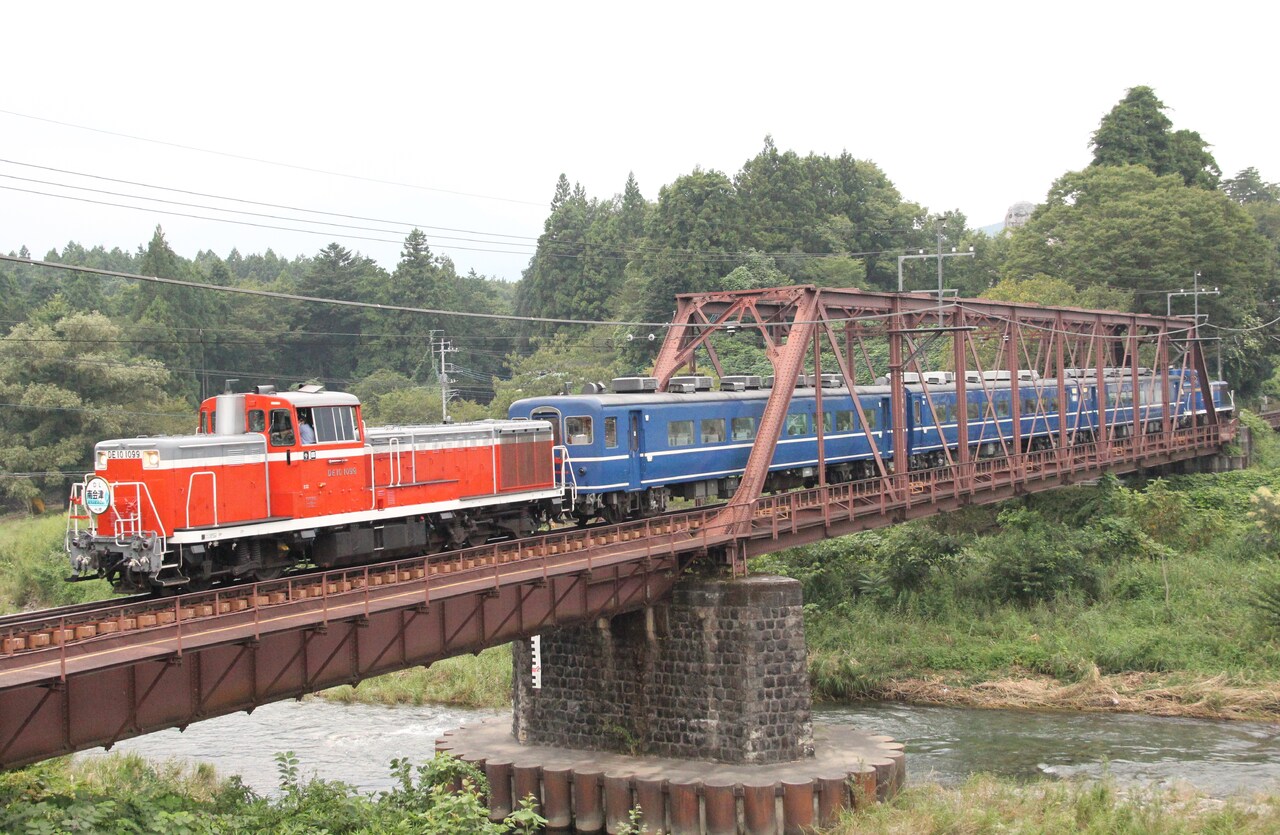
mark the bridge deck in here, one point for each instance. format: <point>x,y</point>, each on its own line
<point>143,667</point>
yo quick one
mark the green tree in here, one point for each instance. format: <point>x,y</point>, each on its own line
<point>335,273</point>
<point>67,385</point>
<point>1248,187</point>
<point>563,362</point>
<point>1137,132</point>
<point>1128,229</point>
<point>693,239</point>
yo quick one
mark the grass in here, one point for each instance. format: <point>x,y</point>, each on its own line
<point>987,804</point>
<point>123,793</point>
<point>482,680</point>
<point>1204,652</point>
<point>33,566</point>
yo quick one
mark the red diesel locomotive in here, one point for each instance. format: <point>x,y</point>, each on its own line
<point>275,479</point>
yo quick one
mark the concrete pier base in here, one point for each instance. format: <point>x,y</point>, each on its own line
<point>585,791</point>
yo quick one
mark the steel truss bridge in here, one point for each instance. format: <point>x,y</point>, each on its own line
<point>90,676</point>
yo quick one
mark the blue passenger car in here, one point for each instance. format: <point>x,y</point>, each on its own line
<point>630,452</point>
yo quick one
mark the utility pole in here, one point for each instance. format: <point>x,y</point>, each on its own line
<point>1196,293</point>
<point>445,347</point>
<point>939,255</point>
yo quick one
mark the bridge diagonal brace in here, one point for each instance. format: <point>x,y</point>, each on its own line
<point>787,360</point>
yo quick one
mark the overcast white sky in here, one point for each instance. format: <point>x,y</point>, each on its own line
<point>964,106</point>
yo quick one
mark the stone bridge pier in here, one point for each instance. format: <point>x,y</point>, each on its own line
<point>695,712</point>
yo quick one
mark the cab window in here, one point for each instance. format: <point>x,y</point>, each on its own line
<point>257,420</point>
<point>334,423</point>
<point>577,431</point>
<point>281,428</point>
<point>204,423</point>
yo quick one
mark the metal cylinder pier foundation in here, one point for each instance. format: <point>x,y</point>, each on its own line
<point>594,792</point>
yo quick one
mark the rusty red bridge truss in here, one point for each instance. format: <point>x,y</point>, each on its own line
<point>71,680</point>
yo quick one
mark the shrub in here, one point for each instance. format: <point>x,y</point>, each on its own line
<point>1028,566</point>
<point>1264,514</point>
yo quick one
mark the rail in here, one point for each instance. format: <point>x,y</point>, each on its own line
<point>835,508</point>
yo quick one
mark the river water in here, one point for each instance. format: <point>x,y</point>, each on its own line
<point>355,743</point>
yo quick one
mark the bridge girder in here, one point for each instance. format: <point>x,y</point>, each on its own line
<point>794,323</point>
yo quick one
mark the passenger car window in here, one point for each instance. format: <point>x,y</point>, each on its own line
<point>796,425</point>
<point>713,431</point>
<point>744,428</point>
<point>873,419</point>
<point>577,430</point>
<point>611,432</point>
<point>680,433</point>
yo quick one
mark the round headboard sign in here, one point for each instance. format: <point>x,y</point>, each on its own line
<point>97,495</point>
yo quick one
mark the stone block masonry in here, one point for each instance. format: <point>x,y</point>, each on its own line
<point>717,673</point>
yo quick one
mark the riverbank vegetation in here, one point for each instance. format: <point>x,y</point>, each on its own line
<point>126,794</point>
<point>988,804</point>
<point>481,680</point>
<point>1161,596</point>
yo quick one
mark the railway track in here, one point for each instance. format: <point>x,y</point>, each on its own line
<point>33,631</point>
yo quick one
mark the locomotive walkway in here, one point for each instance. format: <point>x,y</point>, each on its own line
<point>90,679</point>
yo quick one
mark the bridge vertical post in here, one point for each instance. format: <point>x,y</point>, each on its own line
<point>1166,396</point>
<point>1060,373</point>
<point>1135,430</point>
<point>1102,438</point>
<point>1202,377</point>
<point>819,416</point>
<point>961,361</point>
<point>1011,363</point>
<point>898,401</point>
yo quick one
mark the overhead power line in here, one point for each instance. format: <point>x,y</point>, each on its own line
<point>262,203</point>
<point>272,294</point>
<point>245,212</point>
<point>242,222</point>
<point>545,248</point>
<point>276,163</point>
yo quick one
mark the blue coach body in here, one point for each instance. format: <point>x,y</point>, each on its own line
<point>629,452</point>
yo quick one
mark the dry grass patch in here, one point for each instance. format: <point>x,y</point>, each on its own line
<point>1154,694</point>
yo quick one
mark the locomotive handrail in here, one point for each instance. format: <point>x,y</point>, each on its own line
<point>121,524</point>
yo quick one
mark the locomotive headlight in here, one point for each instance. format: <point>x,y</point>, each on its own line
<point>100,460</point>
<point>151,459</point>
